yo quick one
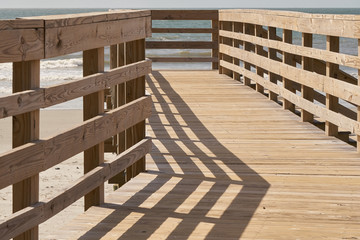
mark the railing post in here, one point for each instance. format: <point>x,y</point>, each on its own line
<point>227,41</point>
<point>135,51</point>
<point>358,108</point>
<point>26,75</point>
<point>237,27</point>
<point>288,59</point>
<point>258,50</point>
<point>307,65</point>
<point>248,29</point>
<point>93,62</point>
<point>272,55</point>
<point>332,44</point>
<point>215,38</point>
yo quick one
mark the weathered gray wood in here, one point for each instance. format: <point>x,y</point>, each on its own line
<point>180,45</point>
<point>21,24</point>
<point>40,212</point>
<point>307,65</point>
<point>184,14</point>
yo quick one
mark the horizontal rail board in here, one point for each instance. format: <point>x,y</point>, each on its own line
<point>21,45</point>
<point>184,59</point>
<point>65,40</point>
<point>323,55</point>
<point>333,117</point>
<point>183,30</point>
<point>301,22</point>
<point>20,24</point>
<point>53,21</point>
<point>181,45</point>
<point>31,100</point>
<point>24,219</point>
<point>335,87</point>
<point>184,14</point>
<point>30,159</point>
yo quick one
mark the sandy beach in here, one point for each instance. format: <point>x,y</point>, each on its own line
<point>56,179</point>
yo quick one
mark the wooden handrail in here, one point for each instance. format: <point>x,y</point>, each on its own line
<point>248,40</point>
<point>210,15</point>
<point>25,42</point>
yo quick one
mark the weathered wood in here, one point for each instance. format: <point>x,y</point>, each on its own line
<point>21,45</point>
<point>24,220</point>
<point>215,39</point>
<point>358,108</point>
<point>184,30</point>
<point>346,91</point>
<point>272,55</point>
<point>26,128</point>
<point>31,100</point>
<point>93,105</point>
<point>332,44</point>
<point>21,24</point>
<point>288,59</point>
<point>307,65</point>
<point>184,15</point>
<point>306,51</point>
<point>250,30</point>
<point>226,41</point>
<point>65,40</point>
<point>27,160</point>
<point>180,45</point>
<point>237,27</point>
<point>55,21</point>
<point>332,25</point>
<point>258,50</point>
<point>184,59</point>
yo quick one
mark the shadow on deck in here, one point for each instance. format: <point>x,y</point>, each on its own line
<point>218,148</point>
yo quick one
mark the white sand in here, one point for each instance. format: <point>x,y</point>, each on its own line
<point>56,179</point>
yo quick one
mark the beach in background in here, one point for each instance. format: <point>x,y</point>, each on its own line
<point>65,116</point>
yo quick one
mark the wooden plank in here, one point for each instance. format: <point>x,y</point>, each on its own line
<point>24,220</point>
<point>20,24</point>
<point>249,30</point>
<point>306,51</point>
<point>215,39</point>
<point>26,128</point>
<point>332,102</point>
<point>184,14</point>
<point>55,21</point>
<point>288,59</point>
<point>65,40</point>
<point>25,161</point>
<point>184,59</point>
<point>180,45</point>
<point>183,30</point>
<point>93,105</point>
<point>21,45</point>
<point>272,55</point>
<point>358,108</point>
<point>331,25</point>
<point>237,27</point>
<point>226,41</point>
<point>307,65</point>
<point>30,100</point>
<point>332,86</point>
<point>258,50</point>
<point>323,113</point>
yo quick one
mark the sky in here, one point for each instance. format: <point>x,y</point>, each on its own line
<point>180,4</point>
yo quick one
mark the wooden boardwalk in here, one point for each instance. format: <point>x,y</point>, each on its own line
<point>227,163</point>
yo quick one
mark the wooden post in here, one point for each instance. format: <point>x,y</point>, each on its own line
<point>258,49</point>
<point>307,65</point>
<point>215,38</point>
<point>26,75</point>
<point>135,51</point>
<point>237,27</point>
<point>333,45</point>
<point>288,59</point>
<point>93,62</point>
<point>117,59</point>
<point>248,29</point>
<point>272,55</point>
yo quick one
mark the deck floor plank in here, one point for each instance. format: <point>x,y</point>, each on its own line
<point>229,164</point>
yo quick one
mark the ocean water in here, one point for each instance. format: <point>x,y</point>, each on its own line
<point>67,68</point>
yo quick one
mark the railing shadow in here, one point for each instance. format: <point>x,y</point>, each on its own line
<point>199,182</point>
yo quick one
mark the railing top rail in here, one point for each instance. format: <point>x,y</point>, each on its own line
<point>184,14</point>
<point>325,24</point>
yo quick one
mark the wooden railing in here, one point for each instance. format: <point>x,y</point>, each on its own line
<point>24,42</point>
<point>211,15</point>
<point>257,47</point>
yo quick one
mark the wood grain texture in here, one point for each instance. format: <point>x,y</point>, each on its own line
<point>184,59</point>
<point>184,14</point>
<point>38,156</point>
<point>65,40</point>
<point>181,45</point>
<point>40,212</point>
<point>332,25</point>
<point>21,24</point>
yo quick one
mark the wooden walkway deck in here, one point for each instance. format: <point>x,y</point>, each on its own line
<point>226,164</point>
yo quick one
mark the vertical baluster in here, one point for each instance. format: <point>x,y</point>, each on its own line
<point>236,28</point>
<point>227,41</point>
<point>248,29</point>
<point>93,62</point>
<point>26,128</point>
<point>272,55</point>
<point>307,65</point>
<point>215,39</point>
<point>288,59</point>
<point>333,45</point>
<point>258,50</point>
